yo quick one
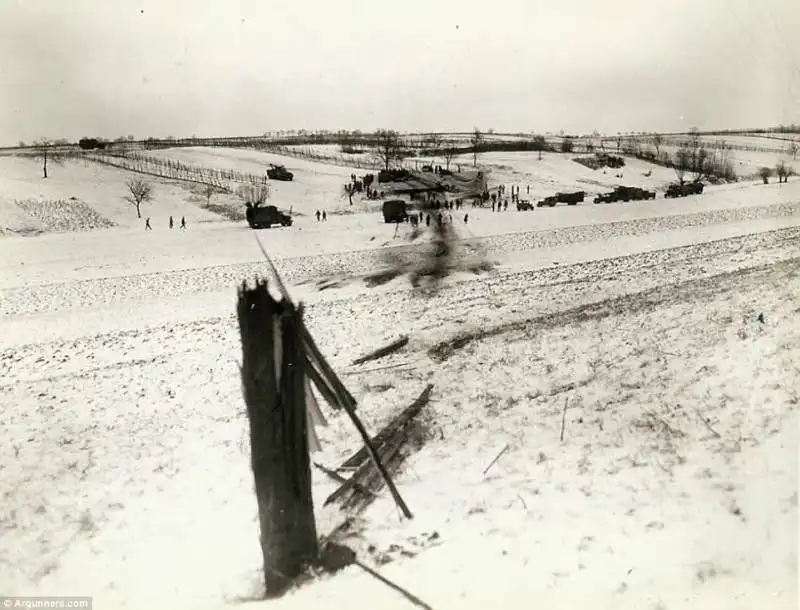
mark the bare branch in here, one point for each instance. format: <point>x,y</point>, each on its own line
<point>254,194</point>
<point>476,140</point>
<point>45,150</point>
<point>388,147</point>
<point>140,191</point>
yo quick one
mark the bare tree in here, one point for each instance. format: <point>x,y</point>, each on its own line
<point>540,144</point>
<point>254,194</point>
<point>694,138</point>
<point>682,162</point>
<point>701,164</point>
<point>765,174</point>
<point>449,152</point>
<point>208,191</point>
<point>476,140</point>
<point>658,140</point>
<point>388,147</point>
<point>783,171</point>
<point>347,191</point>
<point>140,191</point>
<point>45,150</point>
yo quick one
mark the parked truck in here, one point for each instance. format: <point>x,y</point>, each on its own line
<point>625,193</point>
<point>395,210</point>
<point>279,172</point>
<point>683,190</point>
<point>264,216</point>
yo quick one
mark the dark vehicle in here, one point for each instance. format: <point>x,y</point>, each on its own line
<point>90,143</point>
<point>625,193</point>
<point>683,190</point>
<point>395,210</point>
<point>264,216</point>
<point>524,204</point>
<point>571,198</point>
<point>279,172</point>
<point>547,202</point>
<point>393,175</point>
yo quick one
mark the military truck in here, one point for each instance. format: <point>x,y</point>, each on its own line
<point>279,172</point>
<point>524,205</point>
<point>395,210</point>
<point>393,175</point>
<point>683,190</point>
<point>625,193</point>
<point>571,198</point>
<point>264,216</point>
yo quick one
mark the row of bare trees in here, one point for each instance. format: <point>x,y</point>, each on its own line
<point>782,171</point>
<point>220,179</point>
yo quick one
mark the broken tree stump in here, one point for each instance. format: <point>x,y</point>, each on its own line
<point>329,383</point>
<point>273,382</point>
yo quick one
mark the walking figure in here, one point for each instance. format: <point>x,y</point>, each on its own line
<point>324,216</point>
<point>318,215</point>
<point>466,218</point>
<point>147,226</point>
<point>183,222</point>
<point>171,223</point>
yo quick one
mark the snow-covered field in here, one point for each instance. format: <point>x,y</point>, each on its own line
<point>315,186</point>
<point>79,195</point>
<point>746,163</point>
<point>124,470</point>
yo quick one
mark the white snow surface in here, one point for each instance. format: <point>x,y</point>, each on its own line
<point>124,470</point>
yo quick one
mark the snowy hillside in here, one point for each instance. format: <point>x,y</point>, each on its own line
<point>635,364</point>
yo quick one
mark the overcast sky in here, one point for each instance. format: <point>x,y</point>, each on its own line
<point>72,68</point>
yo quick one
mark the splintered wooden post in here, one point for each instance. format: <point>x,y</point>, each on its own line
<point>273,382</point>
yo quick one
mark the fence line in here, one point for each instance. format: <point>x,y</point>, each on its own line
<point>175,170</point>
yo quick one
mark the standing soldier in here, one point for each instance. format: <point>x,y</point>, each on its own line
<point>171,223</point>
<point>318,215</point>
<point>183,222</point>
<point>466,218</point>
<point>505,205</point>
<point>147,226</point>
<point>324,216</point>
